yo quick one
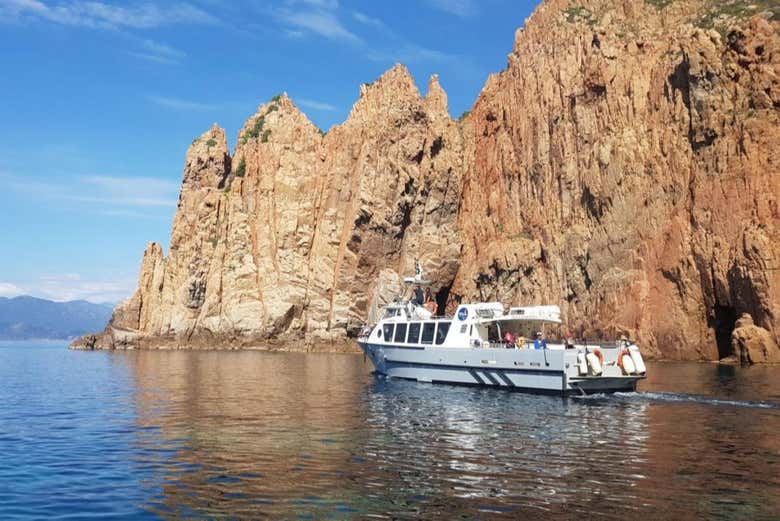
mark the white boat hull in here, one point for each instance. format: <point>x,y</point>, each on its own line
<point>553,371</point>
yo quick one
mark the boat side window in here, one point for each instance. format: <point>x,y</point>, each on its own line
<point>427,334</point>
<point>492,332</point>
<point>400,333</point>
<point>414,333</point>
<point>441,332</point>
<point>388,331</point>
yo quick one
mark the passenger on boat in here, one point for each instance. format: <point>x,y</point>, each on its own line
<point>509,340</point>
<point>540,342</point>
<point>419,297</point>
<point>430,304</point>
<point>520,342</point>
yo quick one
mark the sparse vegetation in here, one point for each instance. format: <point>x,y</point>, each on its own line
<point>211,143</point>
<point>577,13</point>
<point>241,170</point>
<point>660,4</point>
<point>214,241</point>
<point>265,136</point>
<point>464,115</point>
<point>254,131</point>
<point>275,99</point>
<point>273,108</point>
<point>525,234</point>
<point>322,132</point>
<point>722,14</point>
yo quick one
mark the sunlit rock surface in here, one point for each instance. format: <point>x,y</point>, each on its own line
<point>625,165</point>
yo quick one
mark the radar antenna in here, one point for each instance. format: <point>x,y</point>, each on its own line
<point>418,275</point>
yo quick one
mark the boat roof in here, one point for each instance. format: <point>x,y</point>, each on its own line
<point>551,314</point>
<point>415,280</point>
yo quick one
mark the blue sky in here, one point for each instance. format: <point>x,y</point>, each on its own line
<point>101,100</point>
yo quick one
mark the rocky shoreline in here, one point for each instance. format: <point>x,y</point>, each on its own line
<point>128,341</point>
<point>751,344</point>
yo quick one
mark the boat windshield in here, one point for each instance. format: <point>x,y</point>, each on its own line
<point>509,333</point>
<point>391,312</point>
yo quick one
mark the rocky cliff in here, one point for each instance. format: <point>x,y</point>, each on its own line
<point>624,164</point>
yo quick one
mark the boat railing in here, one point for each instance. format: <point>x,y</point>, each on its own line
<point>605,344</point>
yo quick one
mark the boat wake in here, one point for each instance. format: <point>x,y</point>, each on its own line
<point>680,398</point>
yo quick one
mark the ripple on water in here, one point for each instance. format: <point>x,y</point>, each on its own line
<point>292,436</point>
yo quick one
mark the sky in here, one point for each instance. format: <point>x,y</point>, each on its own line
<point>100,101</point>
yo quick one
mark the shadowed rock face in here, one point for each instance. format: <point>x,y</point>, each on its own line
<point>624,165</point>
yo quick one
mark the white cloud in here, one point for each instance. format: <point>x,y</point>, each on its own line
<point>322,4</point>
<point>320,22</point>
<point>162,49</point>
<point>325,18</point>
<point>131,214</point>
<point>410,53</point>
<point>295,34</point>
<point>182,104</point>
<point>8,289</point>
<point>462,8</point>
<point>316,105</point>
<point>110,191</point>
<point>367,20</point>
<point>99,15</point>
<point>158,52</point>
<point>129,191</point>
<point>153,58</point>
<point>72,286</point>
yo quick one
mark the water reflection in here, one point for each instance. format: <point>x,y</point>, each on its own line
<point>236,432</point>
<point>492,451</point>
<point>253,435</point>
<point>293,436</point>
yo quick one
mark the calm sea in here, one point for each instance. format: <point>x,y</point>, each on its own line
<point>292,436</point>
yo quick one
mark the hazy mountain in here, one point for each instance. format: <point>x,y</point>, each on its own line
<point>29,317</point>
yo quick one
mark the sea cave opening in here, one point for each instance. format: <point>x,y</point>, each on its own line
<point>441,298</point>
<point>723,320</point>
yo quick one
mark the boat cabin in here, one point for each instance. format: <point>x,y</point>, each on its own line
<point>484,325</point>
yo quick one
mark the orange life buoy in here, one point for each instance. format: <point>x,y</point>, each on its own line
<point>599,354</point>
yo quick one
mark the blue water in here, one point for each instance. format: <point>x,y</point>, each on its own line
<point>253,435</point>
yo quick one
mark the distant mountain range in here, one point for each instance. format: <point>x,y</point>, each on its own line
<point>23,318</point>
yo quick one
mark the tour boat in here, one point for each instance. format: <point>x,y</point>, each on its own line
<point>487,344</point>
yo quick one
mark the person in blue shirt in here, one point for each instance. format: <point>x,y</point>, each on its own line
<point>540,342</point>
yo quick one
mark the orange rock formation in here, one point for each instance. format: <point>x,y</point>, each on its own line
<point>625,165</point>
